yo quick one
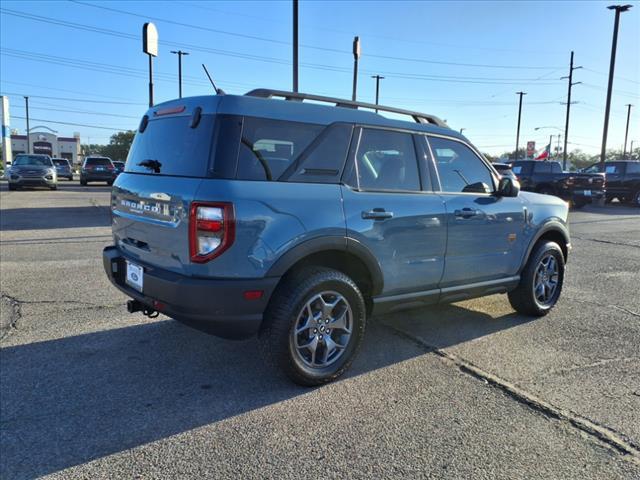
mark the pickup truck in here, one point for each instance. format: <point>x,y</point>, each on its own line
<point>623,179</point>
<point>548,178</point>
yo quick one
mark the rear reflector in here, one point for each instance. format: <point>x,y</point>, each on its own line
<point>211,230</point>
<point>253,294</point>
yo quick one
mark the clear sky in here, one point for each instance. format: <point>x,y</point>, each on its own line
<point>461,61</point>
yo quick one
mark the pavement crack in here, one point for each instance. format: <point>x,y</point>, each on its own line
<point>620,244</point>
<point>604,305</point>
<point>15,314</point>
<point>601,433</point>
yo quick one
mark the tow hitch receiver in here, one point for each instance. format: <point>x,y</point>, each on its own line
<point>134,306</point>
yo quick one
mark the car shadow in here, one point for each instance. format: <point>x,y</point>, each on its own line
<point>54,217</point>
<point>68,401</point>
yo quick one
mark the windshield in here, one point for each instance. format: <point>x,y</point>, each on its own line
<point>32,160</point>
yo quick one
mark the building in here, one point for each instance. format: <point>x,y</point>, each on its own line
<point>49,144</point>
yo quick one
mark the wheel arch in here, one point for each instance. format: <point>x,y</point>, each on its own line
<point>552,231</point>
<point>340,253</point>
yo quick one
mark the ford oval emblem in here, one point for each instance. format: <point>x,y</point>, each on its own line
<point>134,277</point>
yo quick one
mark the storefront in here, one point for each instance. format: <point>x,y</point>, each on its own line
<point>48,144</point>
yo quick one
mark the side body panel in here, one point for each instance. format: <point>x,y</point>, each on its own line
<point>409,246</point>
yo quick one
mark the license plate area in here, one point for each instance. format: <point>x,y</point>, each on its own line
<point>135,276</point>
<point>587,193</point>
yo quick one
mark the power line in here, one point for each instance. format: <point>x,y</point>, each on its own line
<point>282,42</point>
<point>84,112</point>
<point>84,100</point>
<point>22,84</point>
<point>73,124</point>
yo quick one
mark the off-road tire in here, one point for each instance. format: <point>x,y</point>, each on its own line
<point>281,315</point>
<point>522,299</point>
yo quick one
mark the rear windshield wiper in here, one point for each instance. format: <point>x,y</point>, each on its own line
<point>258,155</point>
<point>151,165</point>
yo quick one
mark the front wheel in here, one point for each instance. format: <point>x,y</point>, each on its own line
<point>314,325</point>
<point>540,282</point>
<point>636,199</point>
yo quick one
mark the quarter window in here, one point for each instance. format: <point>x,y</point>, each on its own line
<point>268,147</point>
<point>387,160</point>
<point>460,169</point>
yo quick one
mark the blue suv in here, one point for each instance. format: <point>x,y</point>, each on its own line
<point>296,217</point>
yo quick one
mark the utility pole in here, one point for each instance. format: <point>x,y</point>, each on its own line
<point>612,65</point>
<point>26,104</point>
<point>550,143</point>
<point>626,131</point>
<point>378,78</point>
<point>295,46</point>
<point>180,53</point>
<point>356,56</point>
<point>519,116</point>
<point>566,123</point>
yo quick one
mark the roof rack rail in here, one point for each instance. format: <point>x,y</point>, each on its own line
<point>339,102</point>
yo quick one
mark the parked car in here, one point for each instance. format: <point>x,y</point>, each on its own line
<point>119,166</point>
<point>63,168</point>
<point>623,179</point>
<point>548,178</point>
<point>32,170</point>
<point>504,169</point>
<point>297,220</point>
<point>97,169</point>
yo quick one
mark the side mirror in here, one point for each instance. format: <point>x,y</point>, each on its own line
<point>508,187</point>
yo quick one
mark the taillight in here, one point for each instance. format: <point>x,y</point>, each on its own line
<point>212,230</point>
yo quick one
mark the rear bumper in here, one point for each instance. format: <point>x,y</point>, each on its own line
<point>583,197</point>
<point>97,177</point>
<point>216,306</point>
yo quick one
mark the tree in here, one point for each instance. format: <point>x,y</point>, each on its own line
<point>119,145</point>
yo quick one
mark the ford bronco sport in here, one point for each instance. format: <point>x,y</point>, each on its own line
<point>296,217</point>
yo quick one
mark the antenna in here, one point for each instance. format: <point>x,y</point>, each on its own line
<point>218,91</point>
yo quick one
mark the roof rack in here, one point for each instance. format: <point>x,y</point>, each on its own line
<point>339,102</point>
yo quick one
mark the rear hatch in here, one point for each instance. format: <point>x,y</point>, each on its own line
<point>150,201</point>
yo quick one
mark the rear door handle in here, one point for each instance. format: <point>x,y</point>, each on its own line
<point>466,213</point>
<point>377,214</point>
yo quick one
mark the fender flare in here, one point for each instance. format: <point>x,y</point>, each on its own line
<point>320,244</point>
<point>550,226</point>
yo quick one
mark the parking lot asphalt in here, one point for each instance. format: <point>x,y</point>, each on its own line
<point>470,390</point>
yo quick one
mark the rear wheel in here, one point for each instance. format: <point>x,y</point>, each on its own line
<point>13,187</point>
<point>53,187</point>
<point>636,199</point>
<point>578,205</point>
<point>110,182</point>
<point>546,191</point>
<point>540,282</point>
<point>83,182</point>
<point>314,325</point>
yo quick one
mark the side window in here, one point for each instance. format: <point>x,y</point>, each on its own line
<point>323,160</point>
<point>556,168</point>
<point>613,169</point>
<point>633,167</point>
<point>542,167</point>
<point>268,147</point>
<point>459,168</point>
<point>386,160</point>
<point>517,169</point>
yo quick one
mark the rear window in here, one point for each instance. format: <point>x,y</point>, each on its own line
<point>98,161</point>
<point>169,146</point>
<point>542,167</point>
<point>61,163</point>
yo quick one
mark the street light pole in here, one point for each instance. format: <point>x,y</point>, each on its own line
<point>295,46</point>
<point>356,56</point>
<point>519,116</point>
<point>626,131</point>
<point>26,104</point>
<point>180,53</point>
<point>378,78</point>
<point>612,65</point>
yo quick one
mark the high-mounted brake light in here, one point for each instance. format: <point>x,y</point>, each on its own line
<point>169,111</point>
<point>212,230</point>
